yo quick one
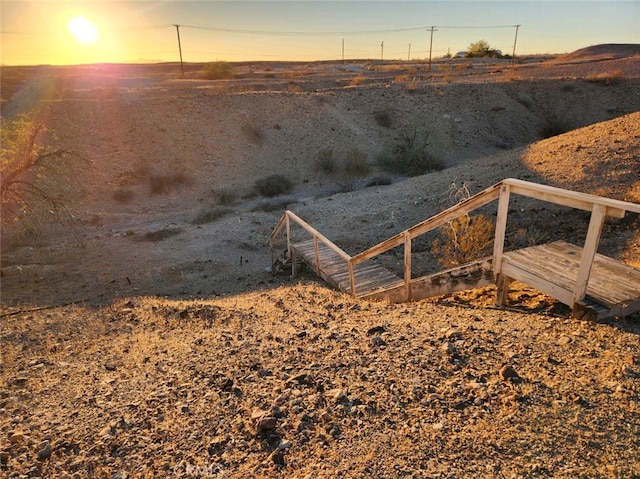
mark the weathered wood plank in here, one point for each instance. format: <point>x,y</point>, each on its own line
<point>335,270</point>
<point>553,269</point>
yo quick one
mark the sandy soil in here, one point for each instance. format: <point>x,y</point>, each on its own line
<point>145,342</point>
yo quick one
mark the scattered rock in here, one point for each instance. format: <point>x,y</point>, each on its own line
<point>377,341</point>
<point>376,330</point>
<point>508,373</point>
<point>44,450</point>
<point>448,348</point>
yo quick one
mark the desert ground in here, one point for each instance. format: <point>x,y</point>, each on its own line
<point>147,336</point>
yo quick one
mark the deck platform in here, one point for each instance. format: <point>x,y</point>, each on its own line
<point>613,288</point>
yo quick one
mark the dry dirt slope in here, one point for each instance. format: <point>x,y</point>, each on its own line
<point>164,148</point>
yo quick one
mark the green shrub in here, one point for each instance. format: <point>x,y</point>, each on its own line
<point>217,71</point>
<point>274,185</point>
<point>411,156</point>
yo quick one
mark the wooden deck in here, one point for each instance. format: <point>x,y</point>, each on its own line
<point>369,277</point>
<point>613,288</point>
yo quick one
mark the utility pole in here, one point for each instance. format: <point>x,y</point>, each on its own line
<point>432,29</point>
<point>179,49</point>
<point>409,54</point>
<point>513,55</point>
<point>381,50</point>
<point>343,51</point>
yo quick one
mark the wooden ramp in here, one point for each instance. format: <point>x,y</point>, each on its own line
<point>593,285</point>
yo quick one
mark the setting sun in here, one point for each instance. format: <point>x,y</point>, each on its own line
<point>83,30</point>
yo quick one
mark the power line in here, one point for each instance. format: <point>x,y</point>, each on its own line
<point>352,32</point>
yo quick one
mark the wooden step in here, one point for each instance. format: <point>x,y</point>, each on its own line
<point>369,276</point>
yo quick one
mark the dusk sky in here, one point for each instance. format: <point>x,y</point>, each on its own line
<point>39,32</point>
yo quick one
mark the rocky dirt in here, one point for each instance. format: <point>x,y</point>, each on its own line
<point>146,343</point>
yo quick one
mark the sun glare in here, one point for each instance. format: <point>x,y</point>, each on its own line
<point>83,30</point>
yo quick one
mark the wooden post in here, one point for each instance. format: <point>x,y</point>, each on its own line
<point>352,279</point>
<point>498,245</point>
<point>589,251</point>
<point>407,265</point>
<point>501,228</point>
<point>317,253</point>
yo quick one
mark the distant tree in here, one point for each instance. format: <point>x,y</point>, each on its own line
<point>217,71</point>
<point>482,48</point>
<point>478,49</point>
<point>35,180</point>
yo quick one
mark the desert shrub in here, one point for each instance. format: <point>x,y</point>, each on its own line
<point>355,163</point>
<point>274,204</point>
<point>463,240</point>
<point>553,126</point>
<point>217,71</point>
<point>411,156</point>
<point>163,184</point>
<point>357,80</point>
<point>383,118</point>
<point>378,181</point>
<point>326,162</point>
<point>225,196</point>
<point>38,183</point>
<point>123,196</point>
<point>253,134</point>
<point>605,78</point>
<point>274,185</point>
<point>160,235</point>
<point>209,215</point>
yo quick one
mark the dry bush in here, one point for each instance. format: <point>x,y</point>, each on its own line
<point>225,196</point>
<point>163,184</point>
<point>160,235</point>
<point>253,134</point>
<point>274,204</point>
<point>217,71</point>
<point>209,215</point>
<point>411,156</point>
<point>38,184</point>
<point>463,240</point>
<point>605,78</point>
<point>123,196</point>
<point>355,163</point>
<point>378,181</point>
<point>383,118</point>
<point>554,126</point>
<point>357,80</point>
<point>326,162</point>
<point>274,185</point>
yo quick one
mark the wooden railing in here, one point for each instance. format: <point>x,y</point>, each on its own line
<point>599,207</point>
